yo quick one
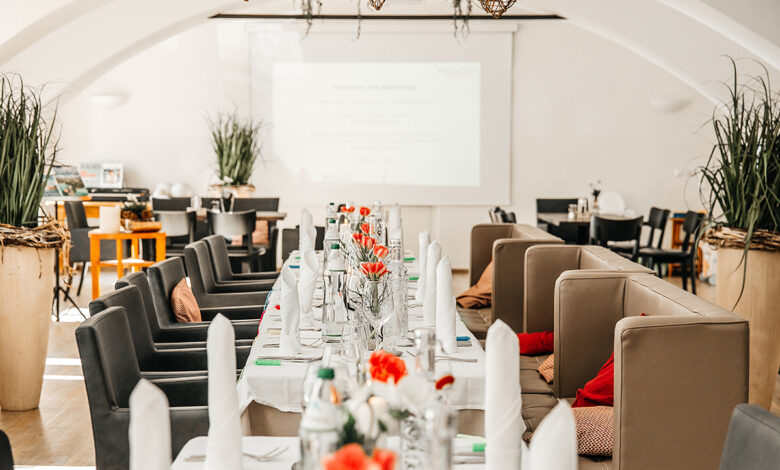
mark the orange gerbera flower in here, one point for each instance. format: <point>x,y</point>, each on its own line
<point>348,209</point>
<point>383,366</point>
<point>381,251</point>
<point>373,271</point>
<point>364,211</point>
<point>365,228</point>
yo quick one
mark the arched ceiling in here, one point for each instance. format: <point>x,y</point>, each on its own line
<point>70,43</point>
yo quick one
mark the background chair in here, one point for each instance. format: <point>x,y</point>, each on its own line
<point>656,220</point>
<point>110,374</point>
<point>179,228</point>
<point>266,261</point>
<point>203,281</point>
<point>686,256</point>
<point>290,239</point>
<point>6,457</point>
<point>234,224</point>
<point>604,230</point>
<point>164,327</point>
<point>220,258</point>
<point>561,206</point>
<point>753,440</point>
<point>79,238</point>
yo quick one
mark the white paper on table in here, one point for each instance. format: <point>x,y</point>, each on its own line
<point>306,282</point>
<point>290,312</point>
<point>150,428</point>
<point>424,240</point>
<point>504,425</point>
<point>429,301</point>
<point>446,313</point>
<point>305,238</point>
<point>554,445</point>
<point>223,450</point>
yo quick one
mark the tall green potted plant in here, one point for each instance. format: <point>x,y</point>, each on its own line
<point>741,185</point>
<point>27,248</point>
<point>236,143</point>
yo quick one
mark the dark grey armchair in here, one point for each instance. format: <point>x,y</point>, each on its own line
<point>152,359</point>
<point>223,273</point>
<point>79,238</point>
<point>753,440</point>
<point>209,293</point>
<point>6,457</point>
<point>164,328</point>
<point>110,374</point>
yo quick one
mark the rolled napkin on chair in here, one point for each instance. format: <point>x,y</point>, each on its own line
<point>305,237</point>
<point>445,307</point>
<point>429,301</point>
<point>290,312</point>
<point>554,444</point>
<point>424,240</point>
<point>223,448</point>
<point>306,281</point>
<point>150,428</point>
<point>504,425</point>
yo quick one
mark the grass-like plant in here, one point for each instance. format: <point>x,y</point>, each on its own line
<point>237,146</point>
<point>741,180</point>
<point>28,147</point>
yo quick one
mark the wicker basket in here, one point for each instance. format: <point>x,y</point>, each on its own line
<point>725,237</point>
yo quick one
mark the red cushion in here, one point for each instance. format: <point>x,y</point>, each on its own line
<point>532,344</point>
<point>600,390</point>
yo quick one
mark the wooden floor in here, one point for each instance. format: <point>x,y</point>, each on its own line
<point>59,433</point>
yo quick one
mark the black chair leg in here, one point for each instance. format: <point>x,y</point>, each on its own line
<point>693,275</point>
<point>684,274</point>
<point>81,279</point>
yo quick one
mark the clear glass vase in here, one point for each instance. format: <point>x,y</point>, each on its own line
<point>377,296</point>
<point>414,443</point>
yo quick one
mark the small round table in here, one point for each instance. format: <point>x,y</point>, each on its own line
<point>135,262</point>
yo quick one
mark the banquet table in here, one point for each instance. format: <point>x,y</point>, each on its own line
<point>271,397</point>
<point>258,445</point>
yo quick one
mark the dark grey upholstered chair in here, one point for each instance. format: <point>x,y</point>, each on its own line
<point>166,331</point>
<point>231,224</point>
<point>206,289</point>
<point>220,260</point>
<point>290,238</point>
<point>604,230</point>
<point>6,457</point>
<point>79,237</point>
<point>266,261</point>
<point>181,204</point>
<point>656,221</point>
<point>179,228</point>
<point>110,374</point>
<point>165,275</point>
<point>152,359</point>
<point>753,440</point>
<point>686,256</point>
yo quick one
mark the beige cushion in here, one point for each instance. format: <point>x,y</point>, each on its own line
<point>594,430</point>
<point>184,305</point>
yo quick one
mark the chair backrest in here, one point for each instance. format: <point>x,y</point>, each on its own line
<point>6,457</point>
<point>170,204</point>
<point>131,300</point>
<point>290,238</point>
<point>753,440</point>
<point>220,258</point>
<point>200,269</point>
<point>691,226</point>
<point>163,277</point>
<point>177,223</point>
<point>508,217</point>
<point>231,224</point>
<point>76,215</point>
<point>657,220</point>
<point>607,229</point>
<point>256,203</point>
<point>141,281</point>
<point>554,205</point>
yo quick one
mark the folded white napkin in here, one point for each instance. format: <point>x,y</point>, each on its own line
<point>394,227</point>
<point>290,339</point>
<point>306,281</point>
<point>305,238</point>
<point>150,428</point>
<point>429,301</point>
<point>223,449</point>
<point>554,446</point>
<point>504,424</point>
<point>424,240</point>
<point>445,307</point>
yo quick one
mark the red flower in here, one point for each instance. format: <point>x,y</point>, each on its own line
<point>352,457</point>
<point>444,381</point>
<point>373,270</point>
<point>384,365</point>
<point>358,237</point>
<point>278,307</point>
<point>364,211</point>
<point>365,228</point>
<point>385,458</point>
<point>348,209</point>
<point>380,251</point>
<point>367,242</point>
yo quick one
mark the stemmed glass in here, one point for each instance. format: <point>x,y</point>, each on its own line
<point>377,304</point>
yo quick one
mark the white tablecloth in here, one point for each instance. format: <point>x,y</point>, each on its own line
<point>258,445</point>
<point>281,387</point>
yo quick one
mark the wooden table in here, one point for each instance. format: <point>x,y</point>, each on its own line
<point>560,219</point>
<point>134,262</point>
<point>270,216</point>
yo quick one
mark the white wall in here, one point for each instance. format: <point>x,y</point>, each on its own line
<point>581,104</point>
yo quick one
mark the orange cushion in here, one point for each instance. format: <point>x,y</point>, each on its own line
<point>594,430</point>
<point>547,368</point>
<point>184,305</point>
<point>479,295</point>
